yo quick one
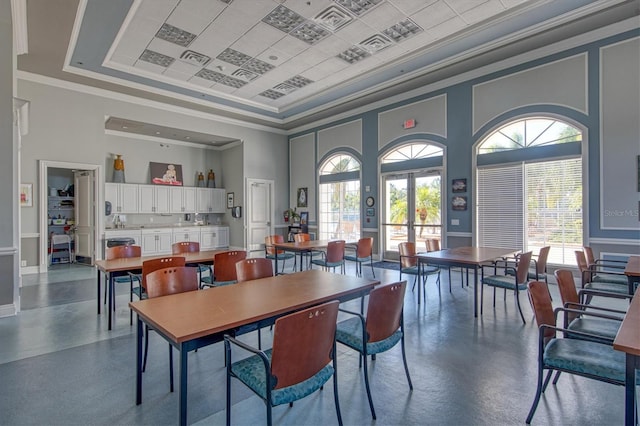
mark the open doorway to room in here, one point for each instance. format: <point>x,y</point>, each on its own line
<point>69,213</point>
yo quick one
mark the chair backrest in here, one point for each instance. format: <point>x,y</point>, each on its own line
<point>269,240</point>
<point>224,264</point>
<point>301,237</point>
<point>365,247</point>
<point>121,252</point>
<point>335,251</point>
<point>407,249</point>
<point>541,263</point>
<point>581,260</point>
<point>567,289</point>
<point>542,308</point>
<point>588,254</point>
<point>385,310</point>
<point>148,266</point>
<point>60,239</point>
<point>433,244</point>
<point>303,343</point>
<point>185,247</point>
<point>172,280</point>
<point>253,269</point>
<point>522,272</point>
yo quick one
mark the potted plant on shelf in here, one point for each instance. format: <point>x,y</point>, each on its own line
<point>292,215</point>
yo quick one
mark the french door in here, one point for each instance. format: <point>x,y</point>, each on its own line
<point>412,209</point>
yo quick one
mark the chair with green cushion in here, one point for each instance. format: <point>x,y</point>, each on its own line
<point>122,252</point>
<point>270,251</point>
<point>594,278</point>
<point>607,263</point>
<point>410,264</point>
<point>191,247</point>
<point>302,360</point>
<point>539,270</point>
<point>362,252</point>
<point>578,356</point>
<point>379,331</point>
<point>333,257</point>
<point>249,270</point>
<point>224,268</point>
<point>516,281</point>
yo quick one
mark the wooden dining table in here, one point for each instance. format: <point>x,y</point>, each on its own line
<point>300,248</point>
<point>467,258</point>
<point>118,267</point>
<point>632,271</point>
<point>191,320</point>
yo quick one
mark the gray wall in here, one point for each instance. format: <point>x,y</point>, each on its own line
<point>234,182</point>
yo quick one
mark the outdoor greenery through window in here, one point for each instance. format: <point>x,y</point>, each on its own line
<point>339,199</point>
<point>531,204</point>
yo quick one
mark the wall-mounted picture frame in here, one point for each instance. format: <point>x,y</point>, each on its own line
<point>304,218</point>
<point>229,200</point>
<point>26,195</point>
<point>371,211</point>
<point>302,197</point>
<point>166,174</point>
<point>458,185</point>
<point>459,203</point>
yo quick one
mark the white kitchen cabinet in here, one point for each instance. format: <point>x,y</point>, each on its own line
<point>153,198</point>
<point>122,196</point>
<point>190,233</point>
<point>123,233</point>
<point>156,241</point>
<point>211,200</point>
<point>213,237</point>
<point>182,199</point>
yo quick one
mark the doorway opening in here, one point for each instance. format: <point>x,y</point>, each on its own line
<point>69,194</point>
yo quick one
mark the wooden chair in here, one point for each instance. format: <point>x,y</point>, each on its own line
<point>253,269</point>
<point>333,257</point>
<point>379,331</point>
<point>191,247</point>
<point>433,244</point>
<point>301,362</point>
<point>516,281</point>
<point>270,251</point>
<point>163,282</point>
<point>302,237</point>
<point>122,252</point>
<point>224,268</point>
<point>363,252</point>
<point>595,279</point>
<point>579,356</point>
<point>409,264</point>
<point>610,263</point>
<point>539,270</point>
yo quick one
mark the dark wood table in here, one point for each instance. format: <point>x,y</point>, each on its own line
<point>300,248</point>
<point>632,271</point>
<point>628,341</point>
<point>468,258</point>
<point>189,321</point>
<point>119,267</point>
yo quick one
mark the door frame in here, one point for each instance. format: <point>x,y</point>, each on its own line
<point>43,182</point>
<point>248,204</point>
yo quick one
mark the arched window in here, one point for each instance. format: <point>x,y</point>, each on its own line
<point>412,151</point>
<point>339,209</point>
<point>529,188</point>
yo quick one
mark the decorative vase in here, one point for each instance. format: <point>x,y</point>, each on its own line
<point>200,180</point>
<point>118,169</point>
<point>211,179</point>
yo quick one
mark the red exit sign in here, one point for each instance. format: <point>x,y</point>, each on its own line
<point>409,124</point>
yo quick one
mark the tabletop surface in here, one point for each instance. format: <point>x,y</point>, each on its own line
<point>628,338</point>
<point>186,316</point>
<point>633,266</point>
<point>470,255</point>
<point>131,263</point>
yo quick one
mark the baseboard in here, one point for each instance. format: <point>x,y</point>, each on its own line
<point>26,270</point>
<point>8,310</point>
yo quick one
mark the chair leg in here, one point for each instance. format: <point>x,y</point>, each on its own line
<point>406,367</point>
<point>546,380</point>
<point>481,296</point>
<point>517,296</point>
<point>170,368</point>
<point>555,379</point>
<point>336,400</point>
<point>536,399</point>
<point>494,298</point>
<point>227,361</point>
<point>372,271</point>
<point>366,383</point>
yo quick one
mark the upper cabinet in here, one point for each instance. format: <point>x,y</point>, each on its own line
<point>211,200</point>
<point>182,199</point>
<point>153,198</point>
<point>122,196</point>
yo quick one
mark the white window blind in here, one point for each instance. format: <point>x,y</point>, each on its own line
<point>500,207</point>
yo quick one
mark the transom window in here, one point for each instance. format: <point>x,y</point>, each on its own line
<point>529,132</point>
<point>339,164</point>
<point>412,151</point>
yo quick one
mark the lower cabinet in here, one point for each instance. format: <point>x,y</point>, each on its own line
<point>186,234</point>
<point>156,241</point>
<point>214,237</point>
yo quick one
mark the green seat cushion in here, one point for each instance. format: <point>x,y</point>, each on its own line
<point>349,332</point>
<point>411,270</point>
<point>608,287</point>
<point>615,279</point>
<point>251,372</point>
<point>607,328</point>
<point>503,281</point>
<point>354,258</point>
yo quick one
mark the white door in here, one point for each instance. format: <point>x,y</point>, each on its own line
<point>84,215</point>
<point>259,212</point>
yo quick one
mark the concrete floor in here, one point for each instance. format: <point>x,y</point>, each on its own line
<point>60,365</point>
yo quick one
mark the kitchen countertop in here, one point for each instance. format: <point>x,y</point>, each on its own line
<point>160,226</point>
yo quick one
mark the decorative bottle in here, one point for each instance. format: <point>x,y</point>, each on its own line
<point>211,179</point>
<point>118,169</point>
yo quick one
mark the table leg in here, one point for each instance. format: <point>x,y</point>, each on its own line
<point>139,333</point>
<point>183,384</point>
<point>632,283</point>
<point>630,390</point>
<point>110,304</point>
<point>475,291</point>
<point>275,272</point>
<point>99,273</point>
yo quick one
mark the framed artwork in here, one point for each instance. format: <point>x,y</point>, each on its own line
<point>459,185</point>
<point>459,203</point>
<point>230,200</point>
<point>301,197</point>
<point>26,195</point>
<point>304,218</point>
<point>166,174</point>
<point>371,211</point>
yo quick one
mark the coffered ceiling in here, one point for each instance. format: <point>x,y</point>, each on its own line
<point>284,63</point>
